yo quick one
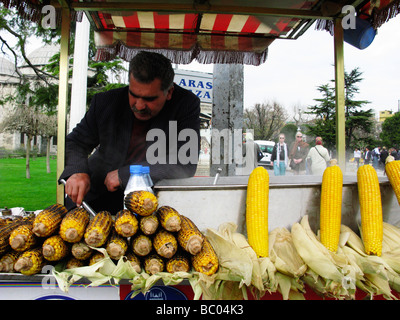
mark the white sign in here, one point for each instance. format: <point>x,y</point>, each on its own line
<point>200,83</point>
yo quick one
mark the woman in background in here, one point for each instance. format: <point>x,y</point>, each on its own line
<point>279,156</point>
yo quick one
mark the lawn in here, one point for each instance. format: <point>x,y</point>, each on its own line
<point>32,194</point>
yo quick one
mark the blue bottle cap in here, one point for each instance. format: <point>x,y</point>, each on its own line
<point>145,169</point>
<point>135,169</point>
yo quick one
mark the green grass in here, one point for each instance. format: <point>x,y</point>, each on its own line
<point>32,194</point>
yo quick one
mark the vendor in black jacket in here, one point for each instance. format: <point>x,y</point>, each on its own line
<point>151,122</point>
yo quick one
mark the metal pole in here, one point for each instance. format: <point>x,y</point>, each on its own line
<point>340,95</point>
<point>62,97</point>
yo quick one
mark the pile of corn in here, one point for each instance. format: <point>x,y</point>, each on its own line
<point>153,239</point>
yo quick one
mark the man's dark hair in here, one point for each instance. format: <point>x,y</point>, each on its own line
<point>147,66</point>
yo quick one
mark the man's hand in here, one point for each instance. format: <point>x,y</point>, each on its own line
<point>112,181</point>
<point>77,186</point>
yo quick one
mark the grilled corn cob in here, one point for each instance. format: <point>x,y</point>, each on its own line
<point>141,245</point>
<point>169,218</point>
<point>74,224</point>
<point>81,251</point>
<point>96,257</point>
<point>149,224</point>
<point>153,264</point>
<point>48,220</point>
<point>178,263</point>
<point>30,262</point>
<point>98,229</point>
<point>22,238</point>
<point>73,263</point>
<point>165,243</point>
<point>126,223</point>
<point>143,203</point>
<point>6,230</point>
<point>371,209</point>
<point>257,210</point>
<point>392,169</point>
<point>8,260</point>
<point>134,261</point>
<point>54,248</point>
<point>206,261</point>
<point>116,246</point>
<point>331,207</point>
<point>189,236</point>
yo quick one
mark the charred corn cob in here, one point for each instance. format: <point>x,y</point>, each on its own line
<point>81,251</point>
<point>73,263</point>
<point>189,236</point>
<point>74,224</point>
<point>96,257</point>
<point>257,211</point>
<point>169,218</point>
<point>116,246</point>
<point>371,209</point>
<point>48,220</point>
<point>392,169</point>
<point>6,230</point>
<point>143,203</point>
<point>153,264</point>
<point>141,245</point>
<point>165,243</point>
<point>126,223</point>
<point>206,261</point>
<point>134,261</point>
<point>30,262</point>
<point>8,260</point>
<point>331,207</point>
<point>54,248</point>
<point>149,224</point>
<point>98,229</point>
<point>178,263</point>
<point>22,238</point>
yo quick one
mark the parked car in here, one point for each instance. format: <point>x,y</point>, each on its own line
<point>266,148</point>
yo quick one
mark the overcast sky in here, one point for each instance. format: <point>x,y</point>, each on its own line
<point>295,68</point>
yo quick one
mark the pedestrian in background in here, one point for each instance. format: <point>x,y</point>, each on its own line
<point>280,157</point>
<point>357,156</point>
<point>319,157</point>
<point>297,155</point>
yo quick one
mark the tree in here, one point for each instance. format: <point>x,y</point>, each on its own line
<point>390,134</point>
<point>265,119</point>
<point>358,122</point>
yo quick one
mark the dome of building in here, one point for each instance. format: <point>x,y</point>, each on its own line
<point>42,55</point>
<point>7,68</point>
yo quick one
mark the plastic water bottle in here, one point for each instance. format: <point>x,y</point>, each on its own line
<point>147,178</point>
<point>136,181</point>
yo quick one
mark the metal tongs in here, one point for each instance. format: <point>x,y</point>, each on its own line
<point>84,204</point>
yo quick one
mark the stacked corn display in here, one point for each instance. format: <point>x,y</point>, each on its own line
<point>151,238</point>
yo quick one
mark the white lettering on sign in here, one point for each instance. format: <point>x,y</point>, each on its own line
<point>201,86</point>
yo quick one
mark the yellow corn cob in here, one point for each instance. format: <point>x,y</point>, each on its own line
<point>126,223</point>
<point>74,224</point>
<point>257,211</point>
<point>81,251</point>
<point>98,229</point>
<point>48,220</point>
<point>165,243</point>
<point>369,195</point>
<point>30,262</point>
<point>153,264</point>
<point>206,261</point>
<point>331,207</point>
<point>73,263</point>
<point>8,260</point>
<point>116,246</point>
<point>143,203</point>
<point>22,238</point>
<point>96,257</point>
<point>178,263</point>
<point>392,169</point>
<point>189,236</point>
<point>7,229</point>
<point>55,248</point>
<point>134,261</point>
<point>141,245</point>
<point>149,224</point>
<point>169,218</point>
